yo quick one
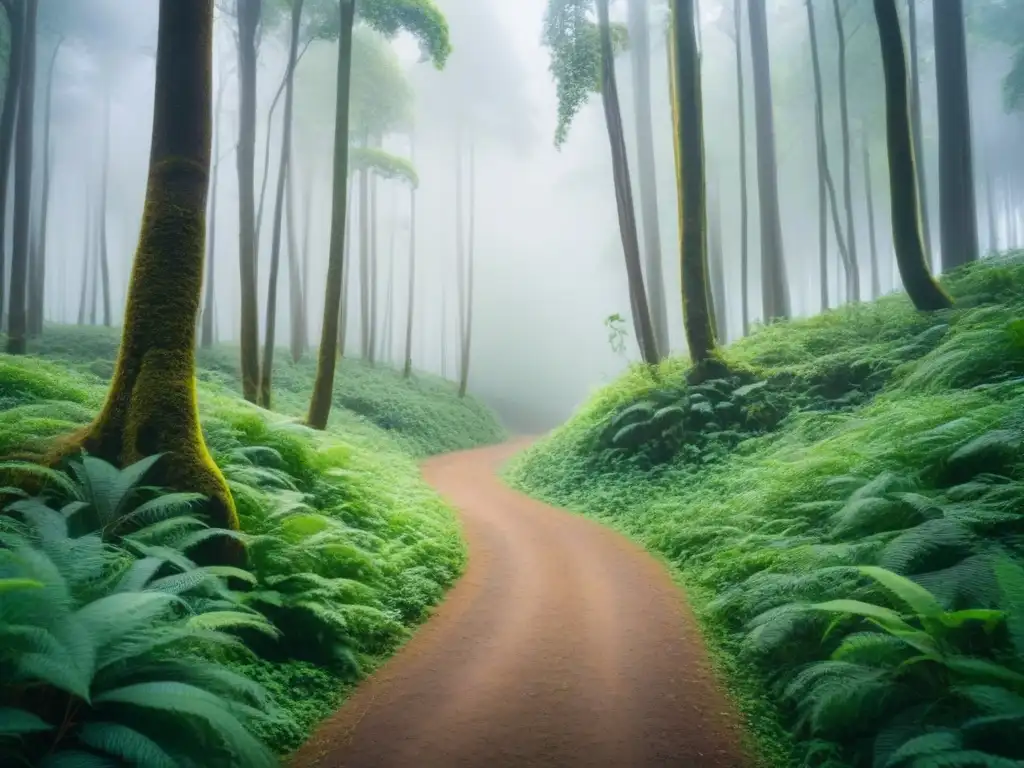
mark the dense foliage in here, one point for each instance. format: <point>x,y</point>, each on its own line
<point>348,549</point>
<point>846,514</point>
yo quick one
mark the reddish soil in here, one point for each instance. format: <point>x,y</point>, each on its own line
<point>564,644</point>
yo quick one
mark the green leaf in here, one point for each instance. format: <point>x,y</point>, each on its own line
<point>15,722</point>
<point>124,742</point>
<point>886,617</point>
<point>9,585</point>
<point>913,595</point>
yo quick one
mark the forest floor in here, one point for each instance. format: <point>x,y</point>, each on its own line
<point>564,644</point>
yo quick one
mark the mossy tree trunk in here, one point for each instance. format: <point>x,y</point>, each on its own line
<point>17,324</point>
<point>467,328</point>
<point>327,358</point>
<point>267,370</point>
<point>624,193</point>
<point>693,240</point>
<point>958,218</point>
<point>774,284</point>
<point>411,305</point>
<point>916,123</point>
<point>640,43</point>
<point>853,265</point>
<point>12,89</point>
<point>38,303</point>
<point>249,12</point>
<point>151,406</point>
<point>869,202</point>
<point>924,292</point>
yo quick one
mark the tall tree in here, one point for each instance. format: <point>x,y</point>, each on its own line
<point>716,266</point>
<point>853,266</point>
<point>869,203</point>
<point>209,317</point>
<point>15,12</point>
<point>741,108</point>
<point>916,127</point>
<point>774,285</point>
<point>958,222</point>
<point>267,370</point>
<point>151,405</point>
<point>924,292</point>
<point>467,328</point>
<point>17,325</point>
<point>582,61</point>
<point>411,306</point>
<point>640,59</point>
<point>297,262</point>
<point>39,276</point>
<point>104,256</point>
<point>690,175</point>
<point>86,258</point>
<point>248,14</point>
<point>422,18</point>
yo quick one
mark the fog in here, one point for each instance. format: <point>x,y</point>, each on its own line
<point>548,256</point>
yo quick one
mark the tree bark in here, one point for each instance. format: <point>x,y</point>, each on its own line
<point>624,193</point>
<point>916,126</point>
<point>744,202</point>
<point>151,406</point>
<point>876,278</point>
<point>8,115</point>
<point>774,285</point>
<point>467,331</point>
<point>958,223</point>
<point>407,368</point>
<point>924,292</point>
<point>853,266</point>
<point>697,312</point>
<point>267,371</point>
<point>17,324</point>
<point>249,12</point>
<point>640,43</point>
<point>323,386</point>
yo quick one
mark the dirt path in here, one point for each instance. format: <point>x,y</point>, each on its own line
<point>563,645</point>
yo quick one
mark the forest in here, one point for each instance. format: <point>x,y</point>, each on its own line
<point>550,383</point>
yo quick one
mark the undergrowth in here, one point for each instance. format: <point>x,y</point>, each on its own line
<point>348,547</point>
<point>871,436</point>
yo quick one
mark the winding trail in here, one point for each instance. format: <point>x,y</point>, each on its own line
<point>564,645</point>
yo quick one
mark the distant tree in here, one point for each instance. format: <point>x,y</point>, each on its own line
<point>422,18</point>
<point>774,285</point>
<point>582,62</point>
<point>209,327</point>
<point>86,258</point>
<point>466,334</point>
<point>852,264</point>
<point>151,406</point>
<point>640,60</point>
<point>869,204</point>
<point>958,221</point>
<point>716,267</point>
<point>15,15</point>
<point>924,292</point>
<point>411,306</point>
<point>17,325</point>
<point>916,126</point>
<point>103,254</point>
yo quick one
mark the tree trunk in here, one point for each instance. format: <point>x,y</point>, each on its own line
<point>323,386</point>
<point>151,405</point>
<point>94,287</point>
<point>208,330</point>
<point>12,91</point>
<point>876,278</point>
<point>83,297</point>
<point>853,265</point>
<point>690,174</point>
<point>640,42</point>
<point>744,203</point>
<point>248,21</point>
<point>39,283</point>
<point>17,324</point>
<point>373,264</point>
<point>296,290</point>
<point>716,267</point>
<point>958,223</point>
<point>384,353</point>
<point>460,248</point>
<point>104,183</point>
<point>924,292</point>
<point>345,276</point>
<point>407,369</point>
<point>990,210</point>
<point>822,157</point>
<point>267,371</point>
<point>364,260</point>
<point>467,330</point>
<point>916,125</point>
<point>624,193</point>
<point>774,285</point>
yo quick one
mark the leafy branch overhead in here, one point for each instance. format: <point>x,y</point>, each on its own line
<point>420,18</point>
<point>571,35</point>
<point>382,163</point>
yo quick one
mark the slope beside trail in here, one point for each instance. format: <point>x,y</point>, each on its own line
<point>564,644</point>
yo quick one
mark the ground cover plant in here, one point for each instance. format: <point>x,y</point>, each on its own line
<point>347,551</point>
<point>846,513</point>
